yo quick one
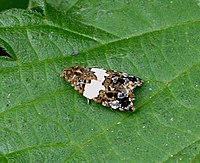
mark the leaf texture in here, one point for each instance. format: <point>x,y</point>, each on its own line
<point>43,119</point>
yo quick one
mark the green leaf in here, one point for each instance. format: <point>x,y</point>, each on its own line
<point>43,119</point>
<point>5,4</point>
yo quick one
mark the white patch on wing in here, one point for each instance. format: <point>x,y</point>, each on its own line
<point>92,89</point>
<point>100,74</point>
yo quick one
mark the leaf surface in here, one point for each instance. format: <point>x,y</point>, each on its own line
<point>43,119</point>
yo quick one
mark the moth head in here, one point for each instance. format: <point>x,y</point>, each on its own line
<point>71,73</point>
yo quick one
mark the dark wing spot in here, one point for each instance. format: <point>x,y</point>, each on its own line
<point>110,95</point>
<point>78,73</point>
<point>132,78</point>
<point>124,101</point>
<point>120,80</point>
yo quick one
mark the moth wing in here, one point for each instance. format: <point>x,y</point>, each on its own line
<point>122,80</point>
<point>116,99</point>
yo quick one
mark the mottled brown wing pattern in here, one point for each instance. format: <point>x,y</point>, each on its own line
<point>109,88</point>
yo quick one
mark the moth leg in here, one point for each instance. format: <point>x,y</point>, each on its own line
<point>88,101</point>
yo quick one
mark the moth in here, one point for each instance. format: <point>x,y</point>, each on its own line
<point>107,87</point>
